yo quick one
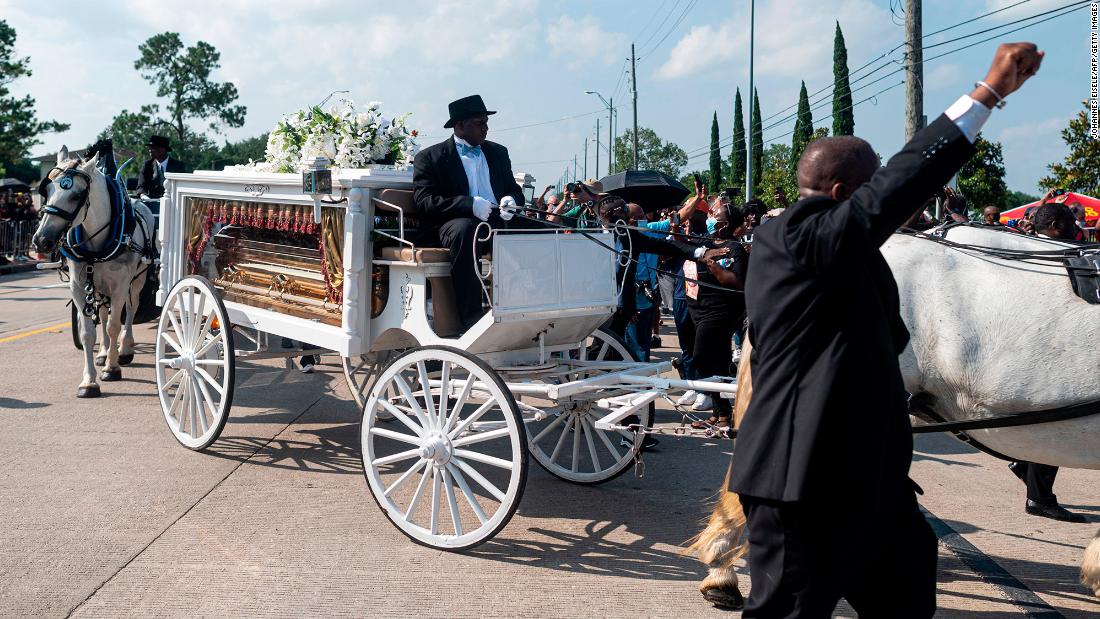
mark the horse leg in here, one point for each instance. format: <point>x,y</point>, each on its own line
<point>1090,566</point>
<point>101,356</point>
<point>718,547</point>
<point>88,387</point>
<point>126,352</point>
<point>111,370</point>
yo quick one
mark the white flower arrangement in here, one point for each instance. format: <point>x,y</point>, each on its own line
<point>348,138</point>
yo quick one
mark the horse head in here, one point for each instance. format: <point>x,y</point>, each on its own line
<point>66,192</point>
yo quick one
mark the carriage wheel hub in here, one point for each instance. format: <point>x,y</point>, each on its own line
<point>436,448</point>
<point>183,362</point>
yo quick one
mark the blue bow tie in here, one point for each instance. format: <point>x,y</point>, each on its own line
<point>468,151</point>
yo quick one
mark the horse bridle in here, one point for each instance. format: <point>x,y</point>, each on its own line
<point>64,181</point>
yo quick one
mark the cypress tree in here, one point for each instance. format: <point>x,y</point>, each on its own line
<point>803,129</point>
<point>757,142</point>
<point>738,156</point>
<point>715,157</point>
<point>844,120</point>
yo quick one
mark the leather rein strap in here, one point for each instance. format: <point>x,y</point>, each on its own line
<point>1013,420</point>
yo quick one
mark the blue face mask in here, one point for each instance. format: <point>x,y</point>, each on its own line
<point>711,223</point>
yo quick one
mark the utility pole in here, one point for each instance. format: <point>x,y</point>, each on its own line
<point>752,100</point>
<point>574,167</point>
<point>914,74</point>
<point>610,137</point>
<point>585,168</point>
<point>634,87</point>
<point>597,174</point>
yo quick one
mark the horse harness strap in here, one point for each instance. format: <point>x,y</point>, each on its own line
<point>1028,418</point>
<point>1084,272</point>
<point>122,223</point>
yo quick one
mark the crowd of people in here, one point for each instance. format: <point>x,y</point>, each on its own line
<point>18,218</point>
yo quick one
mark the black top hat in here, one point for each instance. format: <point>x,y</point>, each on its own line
<point>159,140</point>
<point>466,107</point>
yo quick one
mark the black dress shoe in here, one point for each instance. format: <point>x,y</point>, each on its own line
<point>1054,512</point>
<point>1019,469</point>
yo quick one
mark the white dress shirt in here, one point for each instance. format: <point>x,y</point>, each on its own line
<point>477,173</point>
<point>968,115</point>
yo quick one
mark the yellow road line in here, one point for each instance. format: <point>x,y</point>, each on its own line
<point>19,336</point>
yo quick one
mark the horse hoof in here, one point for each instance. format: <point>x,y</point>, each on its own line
<point>101,361</point>
<point>125,359</point>
<point>724,597</point>
<point>91,391</point>
<point>110,375</point>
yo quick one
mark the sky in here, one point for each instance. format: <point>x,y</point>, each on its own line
<point>532,60</point>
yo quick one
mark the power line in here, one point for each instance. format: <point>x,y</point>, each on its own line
<point>662,24</point>
<point>535,124</point>
<point>679,20</point>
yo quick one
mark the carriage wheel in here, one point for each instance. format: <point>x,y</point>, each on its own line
<point>450,470</point>
<point>569,446</point>
<point>360,373</point>
<point>195,364</point>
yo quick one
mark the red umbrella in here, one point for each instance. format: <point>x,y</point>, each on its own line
<point>1090,204</point>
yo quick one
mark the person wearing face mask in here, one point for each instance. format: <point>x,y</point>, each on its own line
<point>717,305</point>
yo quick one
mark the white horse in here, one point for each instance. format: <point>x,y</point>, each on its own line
<point>77,198</point>
<point>989,337</point>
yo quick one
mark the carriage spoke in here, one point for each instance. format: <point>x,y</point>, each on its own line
<point>596,468</point>
<point>471,498</point>
<point>426,387</point>
<point>208,345</point>
<point>561,441</point>
<point>406,476</point>
<point>609,444</point>
<point>171,381</point>
<point>210,379</point>
<point>419,492</point>
<point>189,322</point>
<point>480,479</point>
<point>444,392</point>
<point>397,436</point>
<point>548,429</point>
<point>435,501</point>
<point>406,391</point>
<point>172,343</point>
<point>201,322</point>
<point>402,417</point>
<point>206,396</point>
<point>460,402</point>
<point>193,408</point>
<point>176,399</point>
<point>481,437</point>
<point>397,457</point>
<point>448,485</point>
<point>603,352</point>
<point>201,404</point>
<point>483,458</point>
<point>481,410</point>
<point>577,429</point>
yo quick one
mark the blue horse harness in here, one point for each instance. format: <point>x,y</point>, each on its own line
<point>120,228</point>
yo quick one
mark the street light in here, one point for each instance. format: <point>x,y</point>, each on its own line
<point>610,135</point>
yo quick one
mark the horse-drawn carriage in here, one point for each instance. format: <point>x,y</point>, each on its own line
<point>448,418</point>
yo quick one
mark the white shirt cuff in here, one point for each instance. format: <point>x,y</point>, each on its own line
<point>699,251</point>
<point>969,116</point>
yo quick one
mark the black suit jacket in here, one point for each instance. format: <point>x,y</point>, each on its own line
<point>828,418</point>
<point>147,182</point>
<point>442,191</point>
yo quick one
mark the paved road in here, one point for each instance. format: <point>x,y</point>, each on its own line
<point>104,514</point>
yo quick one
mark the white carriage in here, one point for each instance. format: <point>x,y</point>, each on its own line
<point>448,418</point>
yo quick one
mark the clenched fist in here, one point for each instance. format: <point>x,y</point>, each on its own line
<point>1012,65</point>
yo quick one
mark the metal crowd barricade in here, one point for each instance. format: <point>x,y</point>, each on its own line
<point>15,237</point>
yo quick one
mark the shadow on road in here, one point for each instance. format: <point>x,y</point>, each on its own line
<point>17,403</point>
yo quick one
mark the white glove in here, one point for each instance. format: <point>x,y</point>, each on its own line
<point>482,208</point>
<point>508,208</point>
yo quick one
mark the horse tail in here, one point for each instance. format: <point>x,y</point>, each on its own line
<point>1090,566</point>
<point>724,540</point>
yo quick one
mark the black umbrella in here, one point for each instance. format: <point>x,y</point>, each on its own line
<point>13,184</point>
<point>650,189</point>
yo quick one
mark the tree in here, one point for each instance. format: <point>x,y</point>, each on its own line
<point>844,120</point>
<point>776,174</point>
<point>715,180</point>
<point>19,125</point>
<point>803,129</point>
<point>653,153</point>
<point>757,141</point>
<point>130,133</point>
<point>737,156</point>
<point>182,76</point>
<point>1080,170</point>
<point>982,178</point>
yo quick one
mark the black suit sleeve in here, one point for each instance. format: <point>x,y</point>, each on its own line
<point>506,178</point>
<point>878,207</point>
<point>428,190</point>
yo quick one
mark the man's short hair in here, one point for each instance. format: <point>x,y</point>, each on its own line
<point>837,159</point>
<point>1056,218</point>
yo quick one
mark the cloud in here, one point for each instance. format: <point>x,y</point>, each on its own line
<point>942,76</point>
<point>583,41</point>
<point>792,38</point>
<point>1030,147</point>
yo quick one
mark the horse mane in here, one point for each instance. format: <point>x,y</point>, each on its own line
<point>68,164</point>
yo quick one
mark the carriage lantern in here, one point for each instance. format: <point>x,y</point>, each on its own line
<point>317,181</point>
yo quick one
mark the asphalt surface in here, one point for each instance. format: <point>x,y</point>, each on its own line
<point>104,514</point>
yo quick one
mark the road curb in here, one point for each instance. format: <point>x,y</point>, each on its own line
<point>19,267</point>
